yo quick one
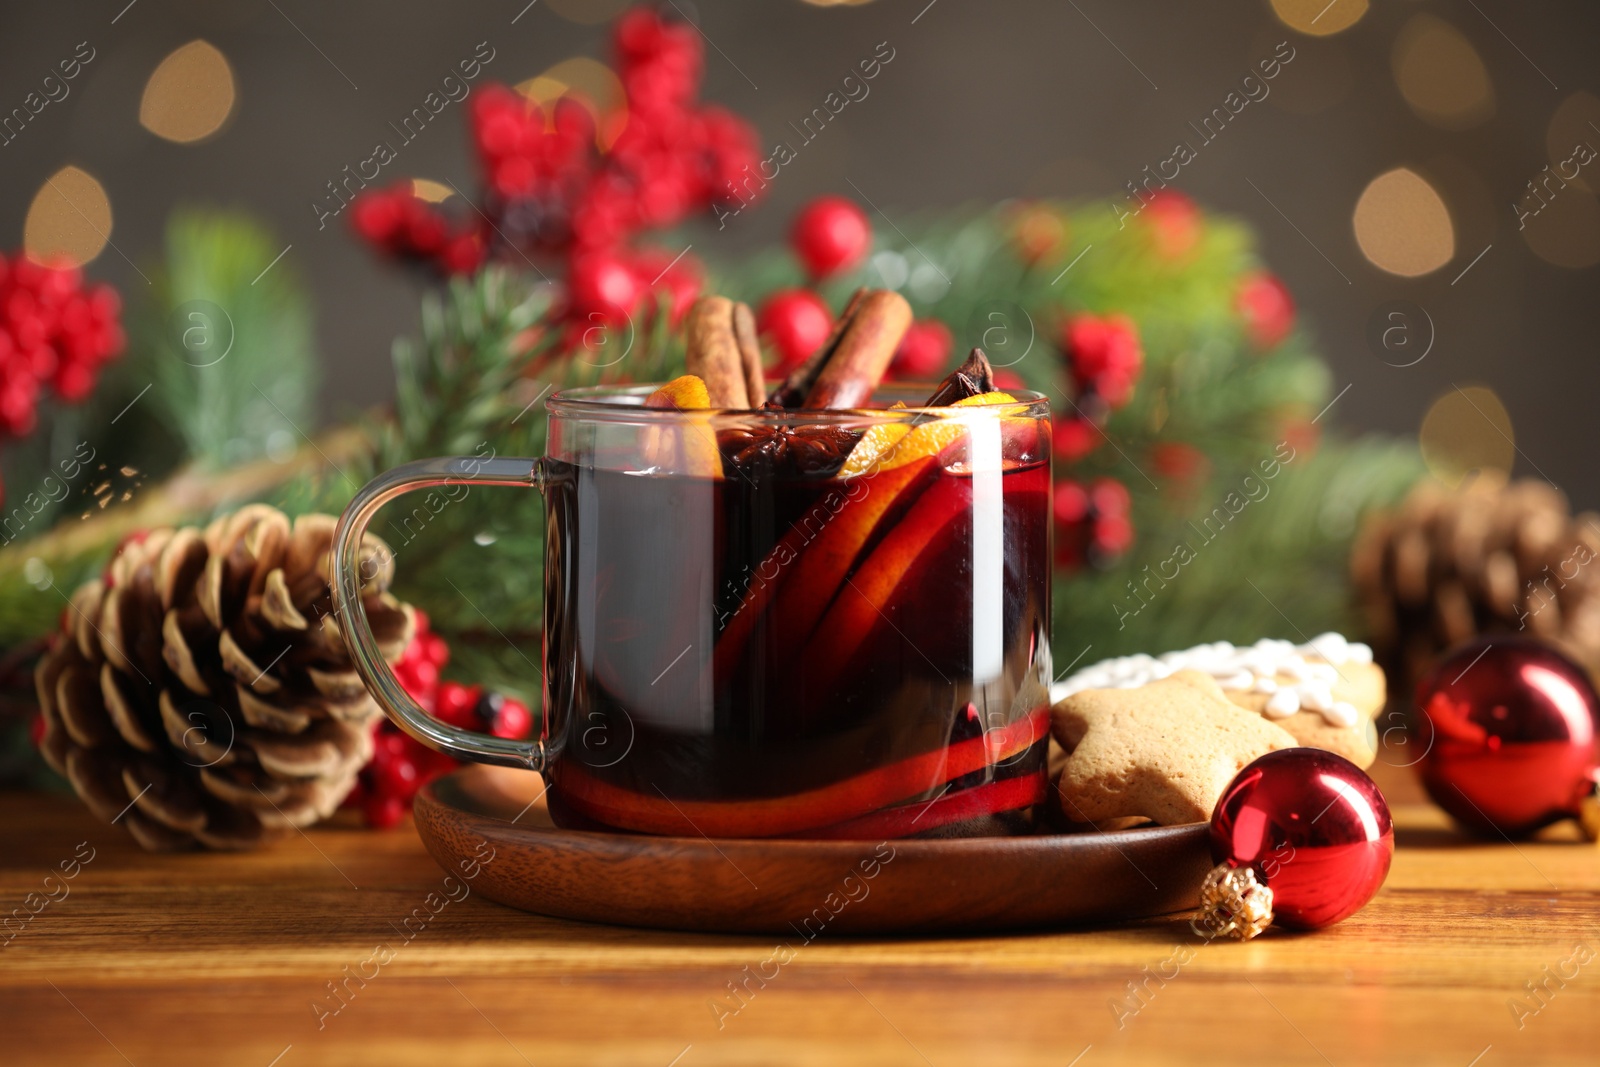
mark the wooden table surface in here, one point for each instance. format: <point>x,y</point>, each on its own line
<point>222,959</point>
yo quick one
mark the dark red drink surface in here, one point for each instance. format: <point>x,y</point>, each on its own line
<point>797,654</point>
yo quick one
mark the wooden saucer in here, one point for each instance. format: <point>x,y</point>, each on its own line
<point>799,887</point>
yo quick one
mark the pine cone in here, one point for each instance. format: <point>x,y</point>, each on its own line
<point>1490,558</point>
<point>201,689</point>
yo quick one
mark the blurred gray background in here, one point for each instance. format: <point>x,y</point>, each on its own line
<point>983,101</point>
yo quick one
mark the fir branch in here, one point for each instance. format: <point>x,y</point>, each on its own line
<point>225,340</point>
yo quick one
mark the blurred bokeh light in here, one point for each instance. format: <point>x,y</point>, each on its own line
<point>1575,122</point>
<point>586,77</point>
<point>69,219</point>
<point>1441,75</point>
<point>1566,231</point>
<point>431,191</point>
<point>1467,430</point>
<point>1319,18</point>
<point>190,94</point>
<point>1402,224</point>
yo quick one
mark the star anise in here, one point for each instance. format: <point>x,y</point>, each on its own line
<point>787,451</point>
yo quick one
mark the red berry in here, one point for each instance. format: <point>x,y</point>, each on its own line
<point>376,215</point>
<point>462,254</point>
<point>1113,535</point>
<point>1073,437</point>
<point>1266,307</point>
<point>796,321</point>
<point>382,812</point>
<point>1181,463</point>
<point>831,234</point>
<point>1174,223</point>
<point>1110,497</point>
<point>604,285</point>
<point>923,351</point>
<point>396,777</point>
<point>512,720</point>
<point>1008,381</point>
<point>1069,503</point>
<point>1039,234</point>
<point>391,745</point>
<point>424,677</point>
<point>456,704</point>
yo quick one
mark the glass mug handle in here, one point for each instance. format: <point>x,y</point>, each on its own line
<point>352,613</point>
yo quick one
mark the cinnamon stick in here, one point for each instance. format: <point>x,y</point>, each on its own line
<point>744,334</point>
<point>797,385</point>
<point>713,353</point>
<point>971,378</point>
<point>867,344</point>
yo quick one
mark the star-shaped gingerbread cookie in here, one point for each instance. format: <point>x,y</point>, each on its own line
<point>1164,751</point>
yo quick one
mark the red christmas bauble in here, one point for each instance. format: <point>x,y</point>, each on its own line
<point>1312,828</point>
<point>1507,726</point>
<point>831,234</point>
<point>796,321</point>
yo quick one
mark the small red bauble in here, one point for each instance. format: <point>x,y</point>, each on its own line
<point>831,234</point>
<point>1507,726</point>
<point>796,321</point>
<point>1266,307</point>
<point>923,351</point>
<point>1301,837</point>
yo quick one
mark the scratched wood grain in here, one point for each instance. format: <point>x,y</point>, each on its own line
<point>207,959</point>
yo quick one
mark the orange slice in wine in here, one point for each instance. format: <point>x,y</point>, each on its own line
<point>890,445</point>
<point>687,447</point>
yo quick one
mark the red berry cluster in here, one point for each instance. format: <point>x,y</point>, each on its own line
<point>401,765</point>
<point>561,181</point>
<point>411,229</point>
<point>1104,360</point>
<point>54,332</point>
<point>1092,523</point>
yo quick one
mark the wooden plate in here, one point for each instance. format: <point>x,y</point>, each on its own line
<point>804,887</point>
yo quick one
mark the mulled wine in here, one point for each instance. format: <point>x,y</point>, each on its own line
<point>806,642</point>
